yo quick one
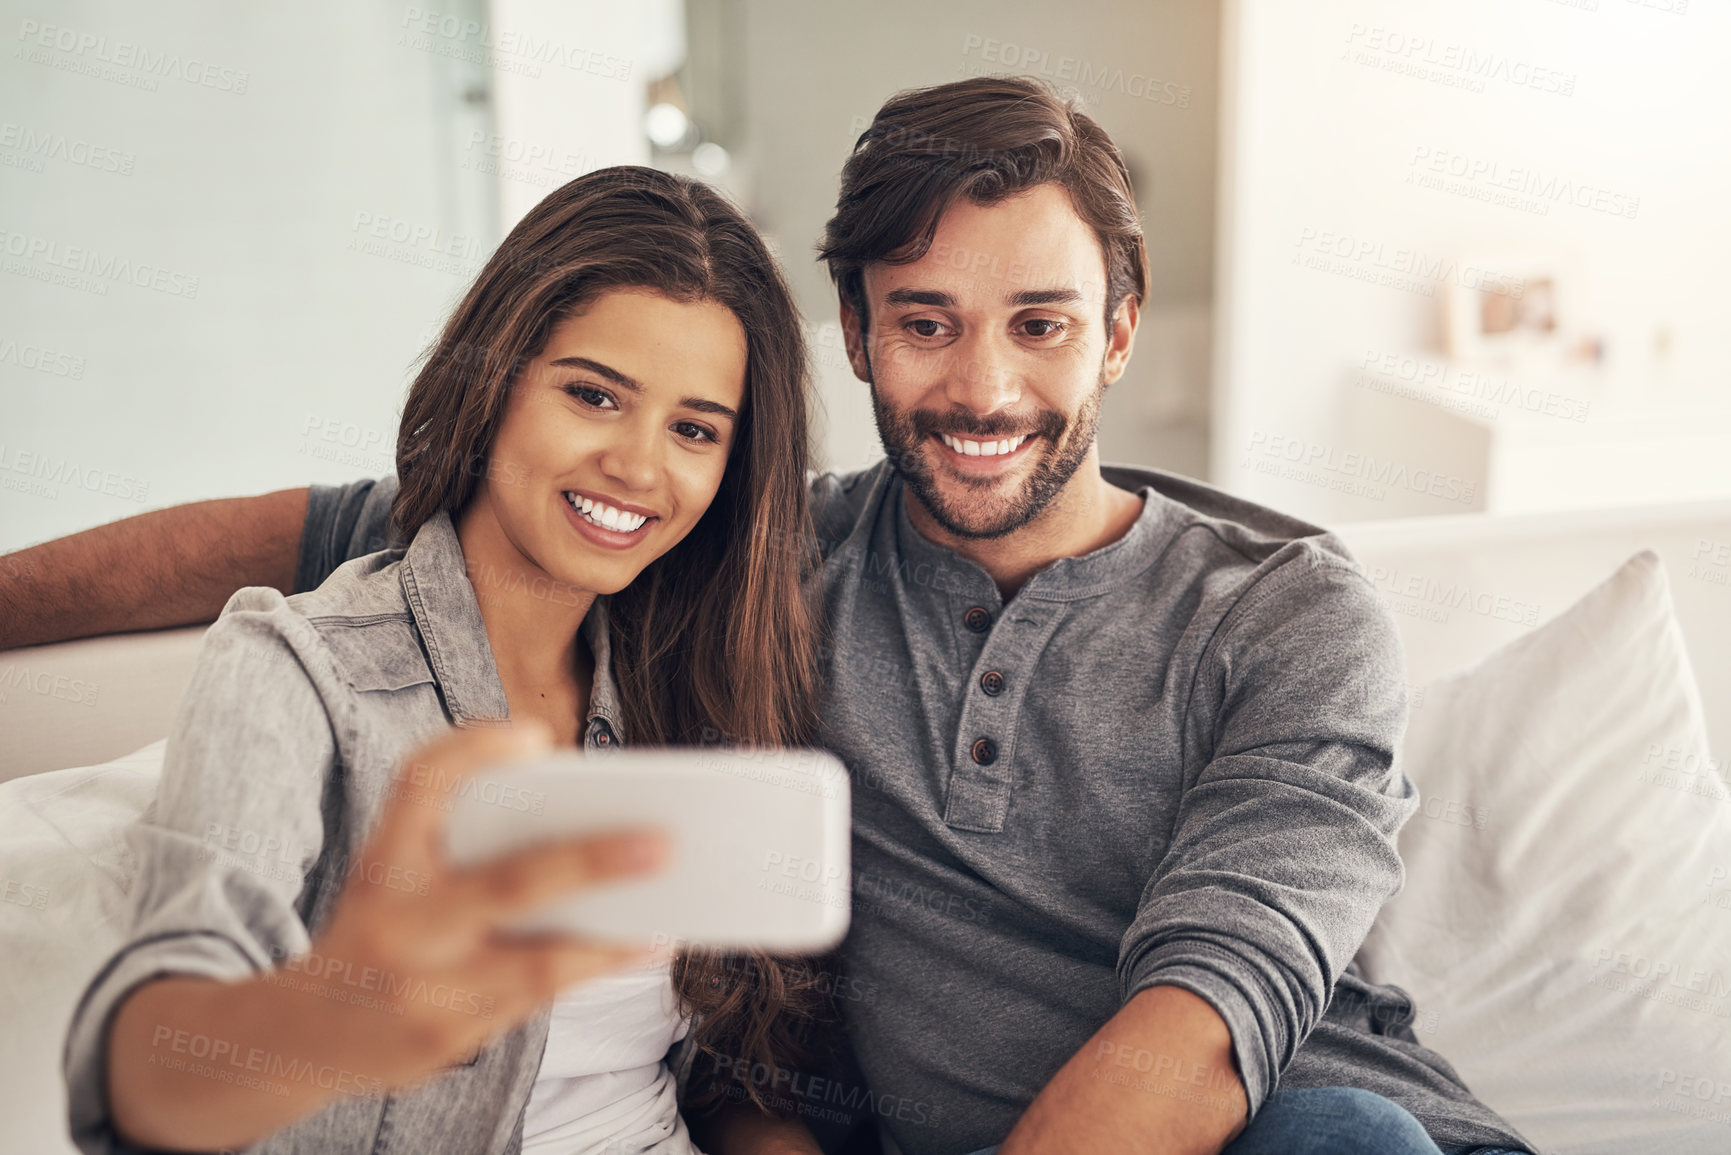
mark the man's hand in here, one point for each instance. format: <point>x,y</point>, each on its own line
<point>171,567</point>
<point>741,1129</point>
<point>1158,1077</point>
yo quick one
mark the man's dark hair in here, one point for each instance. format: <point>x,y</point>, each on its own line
<point>986,138</point>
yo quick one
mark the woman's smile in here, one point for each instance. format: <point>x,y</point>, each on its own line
<point>606,523</point>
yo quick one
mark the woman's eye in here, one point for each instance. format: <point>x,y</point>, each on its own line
<point>694,431</point>
<point>1042,327</point>
<point>591,396</point>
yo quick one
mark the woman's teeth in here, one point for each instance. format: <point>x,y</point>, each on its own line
<point>604,515</point>
<point>982,448</point>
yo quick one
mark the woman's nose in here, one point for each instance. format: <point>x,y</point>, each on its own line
<point>634,456</point>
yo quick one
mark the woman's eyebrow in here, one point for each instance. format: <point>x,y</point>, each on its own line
<point>602,369</point>
<point>705,406</point>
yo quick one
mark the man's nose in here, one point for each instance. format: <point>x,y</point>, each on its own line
<point>984,378</point>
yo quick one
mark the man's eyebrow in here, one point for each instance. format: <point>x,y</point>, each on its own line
<point>1045,297</point>
<point>930,297</point>
<point>602,369</point>
<point>1021,300</point>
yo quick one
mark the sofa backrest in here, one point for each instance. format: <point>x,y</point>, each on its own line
<point>1459,586</point>
<point>1462,586</point>
<point>84,702</point>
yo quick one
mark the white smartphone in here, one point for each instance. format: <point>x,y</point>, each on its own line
<point>759,842</point>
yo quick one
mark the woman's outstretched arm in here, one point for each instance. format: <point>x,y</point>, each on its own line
<point>196,1064</point>
<point>199,1064</point>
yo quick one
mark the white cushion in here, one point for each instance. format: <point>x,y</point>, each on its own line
<point>64,874</point>
<point>1565,928</point>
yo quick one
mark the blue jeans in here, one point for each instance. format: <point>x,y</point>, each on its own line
<point>1334,1121</point>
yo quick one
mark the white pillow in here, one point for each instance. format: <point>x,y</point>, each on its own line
<point>1565,928</point>
<point>64,873</point>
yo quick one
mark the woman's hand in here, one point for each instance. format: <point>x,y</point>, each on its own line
<point>433,951</point>
<point>439,980</point>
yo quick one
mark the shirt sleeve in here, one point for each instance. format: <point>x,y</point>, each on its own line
<point>344,522</point>
<point>223,852</point>
<point>1284,846</point>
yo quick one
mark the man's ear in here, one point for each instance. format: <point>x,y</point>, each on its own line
<point>1120,338</point>
<point>854,339</point>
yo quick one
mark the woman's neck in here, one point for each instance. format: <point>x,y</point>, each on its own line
<point>533,624</point>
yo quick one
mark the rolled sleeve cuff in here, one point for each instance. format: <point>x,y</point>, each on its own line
<point>1220,978</point>
<point>343,522</point>
<point>194,953</point>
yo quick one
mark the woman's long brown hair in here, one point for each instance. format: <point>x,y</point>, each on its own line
<point>717,636</point>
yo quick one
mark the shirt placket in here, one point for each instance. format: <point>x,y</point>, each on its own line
<point>982,774</point>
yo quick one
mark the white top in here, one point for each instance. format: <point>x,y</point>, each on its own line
<point>603,1087</point>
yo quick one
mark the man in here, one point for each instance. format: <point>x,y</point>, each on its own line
<point>1123,746</point>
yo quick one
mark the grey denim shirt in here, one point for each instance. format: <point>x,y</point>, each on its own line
<point>275,772</point>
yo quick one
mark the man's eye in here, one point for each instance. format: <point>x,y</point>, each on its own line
<point>926,327</point>
<point>1042,327</point>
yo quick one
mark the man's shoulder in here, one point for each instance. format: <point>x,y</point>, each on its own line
<point>1266,589</point>
<point>1222,530</point>
<point>841,500</point>
<point>1254,571</point>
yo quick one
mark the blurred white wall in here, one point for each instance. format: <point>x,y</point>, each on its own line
<point>557,123</point>
<point>219,286</point>
<point>228,230</point>
<point>1379,155</point>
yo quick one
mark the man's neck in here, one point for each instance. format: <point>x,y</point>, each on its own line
<point>1087,514</point>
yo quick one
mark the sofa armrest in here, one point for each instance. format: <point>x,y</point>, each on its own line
<point>84,702</point>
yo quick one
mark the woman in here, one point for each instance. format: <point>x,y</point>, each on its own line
<point>601,446</point>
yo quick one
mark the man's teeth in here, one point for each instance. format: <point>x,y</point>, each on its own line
<point>605,515</point>
<point>982,448</point>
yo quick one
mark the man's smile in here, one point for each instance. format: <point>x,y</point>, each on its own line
<point>984,448</point>
<point>984,458</point>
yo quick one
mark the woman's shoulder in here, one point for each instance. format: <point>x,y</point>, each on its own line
<point>366,588</point>
<point>358,615</point>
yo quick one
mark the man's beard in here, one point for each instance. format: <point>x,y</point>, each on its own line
<point>1065,442</point>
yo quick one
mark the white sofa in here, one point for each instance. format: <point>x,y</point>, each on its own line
<point>1460,587</point>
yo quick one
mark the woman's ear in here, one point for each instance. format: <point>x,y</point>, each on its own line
<point>854,338</point>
